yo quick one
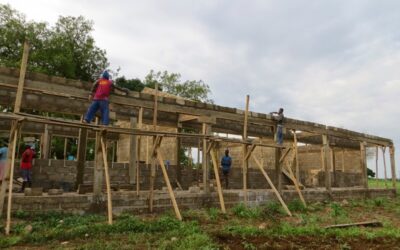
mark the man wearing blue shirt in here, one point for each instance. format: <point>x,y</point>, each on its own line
<point>226,163</point>
<point>3,158</point>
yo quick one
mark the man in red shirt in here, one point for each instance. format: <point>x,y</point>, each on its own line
<point>26,166</point>
<point>99,96</point>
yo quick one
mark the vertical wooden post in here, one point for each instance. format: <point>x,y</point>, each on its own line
<point>296,153</point>
<point>245,149</point>
<point>206,130</point>
<point>153,163</point>
<point>108,186</point>
<point>218,180</point>
<point>393,166</point>
<point>333,165</point>
<point>384,165</point>
<point>132,152</point>
<point>8,166</point>
<point>363,161</point>
<point>81,157</point>
<point>138,146</point>
<point>21,81</point>
<point>325,143</point>
<point>98,168</point>
<point>10,170</point>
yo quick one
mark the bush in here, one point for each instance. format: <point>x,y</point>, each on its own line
<point>272,210</point>
<point>242,211</point>
<point>297,206</point>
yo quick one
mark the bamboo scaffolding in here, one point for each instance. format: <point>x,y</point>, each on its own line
<point>10,170</point>
<point>129,131</point>
<point>138,149</point>
<point>384,165</point>
<point>296,184</point>
<point>244,150</point>
<point>108,186</point>
<point>166,178</point>
<point>153,162</point>
<point>218,180</point>
<point>272,186</point>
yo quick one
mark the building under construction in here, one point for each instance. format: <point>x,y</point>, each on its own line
<point>138,155</point>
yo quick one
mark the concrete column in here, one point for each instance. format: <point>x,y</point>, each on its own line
<point>363,161</point>
<point>81,157</point>
<point>333,164</point>
<point>325,143</point>
<point>132,153</point>
<point>393,166</point>
<point>45,143</point>
<point>178,158</point>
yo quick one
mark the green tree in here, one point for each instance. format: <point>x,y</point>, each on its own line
<point>67,49</point>
<point>131,84</point>
<point>370,173</point>
<point>171,83</point>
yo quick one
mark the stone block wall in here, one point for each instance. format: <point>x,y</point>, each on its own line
<point>130,202</point>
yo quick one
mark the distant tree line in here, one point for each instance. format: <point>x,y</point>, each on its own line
<point>68,49</point>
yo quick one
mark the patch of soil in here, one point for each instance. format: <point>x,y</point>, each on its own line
<point>304,242</point>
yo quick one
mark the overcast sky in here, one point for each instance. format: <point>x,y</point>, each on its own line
<point>332,62</point>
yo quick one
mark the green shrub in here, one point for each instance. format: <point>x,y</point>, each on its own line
<point>272,211</point>
<point>242,211</point>
<point>297,206</point>
<point>337,210</point>
<point>213,213</point>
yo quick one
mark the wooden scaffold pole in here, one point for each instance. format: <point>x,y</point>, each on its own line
<point>218,180</point>
<point>272,186</point>
<point>153,163</point>
<point>384,164</point>
<point>244,150</point>
<point>138,149</point>
<point>108,185</point>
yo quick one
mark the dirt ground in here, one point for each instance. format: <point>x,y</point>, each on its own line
<point>305,242</point>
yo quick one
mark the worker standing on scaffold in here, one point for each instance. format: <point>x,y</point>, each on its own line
<point>279,117</point>
<point>99,95</point>
<point>226,163</point>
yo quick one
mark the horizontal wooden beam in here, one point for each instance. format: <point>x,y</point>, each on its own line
<point>70,96</point>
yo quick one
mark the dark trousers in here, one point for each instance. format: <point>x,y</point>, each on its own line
<point>27,176</point>
<point>104,110</point>
<point>225,173</point>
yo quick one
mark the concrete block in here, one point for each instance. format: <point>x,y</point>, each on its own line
<point>55,192</point>
<point>33,191</point>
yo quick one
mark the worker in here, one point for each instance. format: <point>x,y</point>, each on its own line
<point>99,97</point>
<point>26,166</point>
<point>3,158</point>
<point>226,163</point>
<point>279,117</point>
